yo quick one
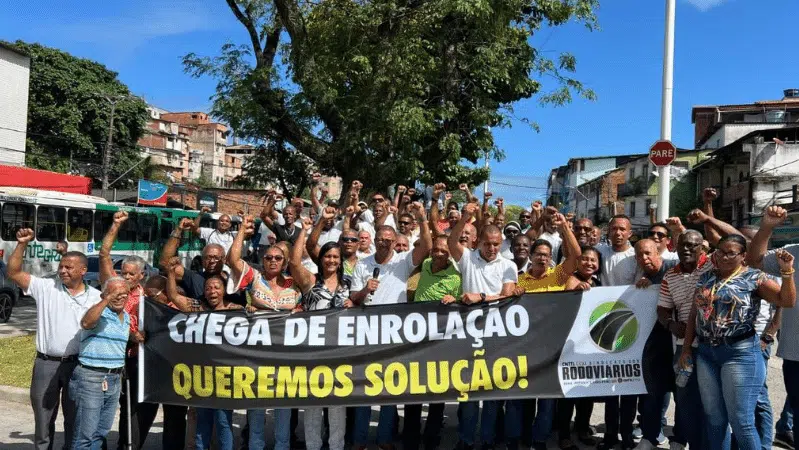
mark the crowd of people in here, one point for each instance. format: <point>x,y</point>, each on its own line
<point>724,297</point>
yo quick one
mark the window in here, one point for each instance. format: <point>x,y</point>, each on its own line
<point>50,223</point>
<point>166,229</point>
<point>632,209</point>
<point>729,181</point>
<point>15,216</point>
<point>79,225</point>
<point>631,174</point>
<point>146,228</point>
<point>740,176</point>
<point>103,221</point>
<point>647,204</point>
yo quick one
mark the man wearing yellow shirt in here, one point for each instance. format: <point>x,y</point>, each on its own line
<point>540,276</point>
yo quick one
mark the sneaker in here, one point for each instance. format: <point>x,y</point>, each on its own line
<point>637,433</point>
<point>586,437</point>
<point>661,438</point>
<point>644,445</point>
<point>785,439</point>
<point>676,446</point>
<point>567,444</point>
<point>539,446</point>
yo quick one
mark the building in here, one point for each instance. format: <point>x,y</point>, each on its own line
<point>720,125</point>
<point>597,199</point>
<point>753,172</point>
<point>167,144</point>
<point>14,86</point>
<point>233,164</point>
<point>209,137</point>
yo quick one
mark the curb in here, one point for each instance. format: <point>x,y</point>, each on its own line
<point>15,394</point>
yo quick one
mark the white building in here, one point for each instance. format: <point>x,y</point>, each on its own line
<point>14,85</point>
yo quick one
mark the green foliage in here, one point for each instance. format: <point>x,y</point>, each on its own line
<point>389,90</point>
<point>68,115</point>
<point>204,181</point>
<point>512,212</point>
<point>276,164</point>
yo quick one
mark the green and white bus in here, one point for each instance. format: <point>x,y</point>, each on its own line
<point>82,221</point>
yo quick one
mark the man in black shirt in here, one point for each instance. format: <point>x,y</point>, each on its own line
<point>288,231</point>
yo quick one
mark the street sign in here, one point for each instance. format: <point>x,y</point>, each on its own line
<point>662,153</point>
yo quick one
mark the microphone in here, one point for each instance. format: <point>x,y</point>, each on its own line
<point>375,274</point>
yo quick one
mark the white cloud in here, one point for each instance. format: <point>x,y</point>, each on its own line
<point>704,5</point>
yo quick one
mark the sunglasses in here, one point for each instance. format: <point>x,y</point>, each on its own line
<point>525,217</point>
<point>349,239</point>
<point>404,223</point>
<point>658,234</point>
<point>273,258</point>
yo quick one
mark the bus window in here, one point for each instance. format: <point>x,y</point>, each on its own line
<point>128,231</point>
<point>50,223</point>
<point>166,229</point>
<point>146,229</point>
<point>103,221</point>
<point>15,216</point>
<point>79,225</point>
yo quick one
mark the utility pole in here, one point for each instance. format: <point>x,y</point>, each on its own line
<point>664,172</point>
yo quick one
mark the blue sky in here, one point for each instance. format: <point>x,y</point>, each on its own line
<point>727,51</point>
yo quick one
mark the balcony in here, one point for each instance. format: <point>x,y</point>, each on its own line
<point>634,187</point>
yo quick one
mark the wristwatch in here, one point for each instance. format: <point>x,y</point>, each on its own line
<point>482,297</point>
<point>767,338</point>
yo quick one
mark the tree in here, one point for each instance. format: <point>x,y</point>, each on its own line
<point>388,90</point>
<point>68,115</point>
<point>275,164</point>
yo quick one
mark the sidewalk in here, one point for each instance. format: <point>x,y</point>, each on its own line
<point>22,321</point>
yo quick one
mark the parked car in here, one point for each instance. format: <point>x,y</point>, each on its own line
<point>92,276</point>
<point>9,294</point>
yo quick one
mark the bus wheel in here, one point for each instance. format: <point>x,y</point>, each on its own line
<point>6,305</point>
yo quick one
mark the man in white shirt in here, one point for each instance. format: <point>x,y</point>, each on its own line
<point>388,287</point>
<point>61,304</point>
<point>485,277</point>
<point>661,235</point>
<point>221,235</point>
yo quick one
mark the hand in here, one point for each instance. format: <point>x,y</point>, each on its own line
<point>677,329</point>
<point>465,188</point>
<point>763,345</point>
<point>709,195</point>
<point>785,260</point>
<point>205,209</point>
<point>372,285</point>
<point>138,337</point>
<point>315,177</point>
<point>487,195</point>
<point>774,216</point>
<point>674,223</point>
<point>550,211</point>
<point>438,189</point>
<point>357,186</point>
<point>500,202</point>
<point>569,217</point>
<point>643,283</point>
<point>417,209</point>
<point>328,213</point>
<point>471,299</point>
<point>447,299</point>
<point>469,210</point>
<point>653,207</point>
<point>518,291</point>
<point>401,189</point>
<point>348,303</point>
<point>405,199</point>
<point>392,209</point>
<point>684,356</point>
<point>186,224</point>
<point>250,309</point>
<point>583,286</point>
<point>697,216</point>
<point>278,197</point>
<point>558,220</point>
<point>173,264</point>
<point>537,206</point>
<point>120,217</point>
<point>349,211</point>
<point>307,224</point>
<point>248,226</point>
<point>411,191</point>
<point>448,196</point>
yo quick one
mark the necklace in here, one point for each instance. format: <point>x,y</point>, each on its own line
<point>717,286</point>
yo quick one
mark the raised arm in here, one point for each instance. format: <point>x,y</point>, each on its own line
<point>708,196</point>
<point>92,316</point>
<point>182,302</point>
<point>234,254</point>
<point>571,248</point>
<point>652,219</point>
<point>500,202</point>
<point>302,276</point>
<point>438,189</point>
<point>172,244</point>
<point>422,249</point>
<point>105,262</point>
<point>313,241</point>
<point>780,295</point>
<point>773,217</point>
<point>723,229</point>
<point>266,213</point>
<point>15,272</point>
<point>453,241</point>
<point>196,224</point>
<point>315,178</point>
<point>470,198</point>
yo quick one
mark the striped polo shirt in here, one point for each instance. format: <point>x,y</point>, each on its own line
<point>678,287</point>
<point>104,345</point>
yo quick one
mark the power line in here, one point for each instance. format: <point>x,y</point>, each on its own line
<point>517,185</point>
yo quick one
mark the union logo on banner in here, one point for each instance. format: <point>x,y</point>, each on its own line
<point>152,193</point>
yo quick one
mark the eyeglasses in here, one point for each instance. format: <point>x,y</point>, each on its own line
<point>273,258</point>
<point>525,216</point>
<point>406,223</point>
<point>728,255</point>
<point>542,255</point>
<point>381,241</point>
<point>658,234</point>
<point>349,239</point>
<point>586,229</point>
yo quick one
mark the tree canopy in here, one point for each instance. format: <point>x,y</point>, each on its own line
<point>389,90</point>
<point>69,111</point>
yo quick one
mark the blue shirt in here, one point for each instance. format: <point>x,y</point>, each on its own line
<point>104,345</point>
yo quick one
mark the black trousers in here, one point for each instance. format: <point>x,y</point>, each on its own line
<point>412,436</point>
<point>582,419</point>
<point>619,416</point>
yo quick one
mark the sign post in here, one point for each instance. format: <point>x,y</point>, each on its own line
<point>664,172</point>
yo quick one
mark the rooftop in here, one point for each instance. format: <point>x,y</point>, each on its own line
<point>11,48</point>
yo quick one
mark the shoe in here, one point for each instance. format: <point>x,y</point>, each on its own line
<point>676,446</point>
<point>567,444</point>
<point>628,444</point>
<point>586,437</point>
<point>539,446</point>
<point>609,445</point>
<point>644,445</point>
<point>637,433</point>
<point>661,438</point>
<point>785,439</point>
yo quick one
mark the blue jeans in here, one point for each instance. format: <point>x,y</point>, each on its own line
<point>513,420</point>
<point>785,424</point>
<point>385,424</point>
<point>689,426</point>
<point>256,421</point>
<point>544,415</point>
<point>94,408</point>
<point>650,406</point>
<point>206,419</point>
<point>468,415</point>
<point>730,378</point>
<point>764,418</point>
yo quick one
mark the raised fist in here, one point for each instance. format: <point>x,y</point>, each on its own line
<point>186,224</point>
<point>470,209</point>
<point>120,217</point>
<point>328,213</point>
<point>205,209</point>
<point>785,260</point>
<point>697,216</point>
<point>487,195</point>
<point>774,216</point>
<point>674,222</point>
<point>463,187</point>
<point>24,235</point>
<point>401,189</point>
<point>709,194</point>
<point>537,205</point>
<point>418,210</point>
<point>350,210</point>
<point>316,176</point>
<point>448,196</point>
<point>307,223</point>
<point>438,188</point>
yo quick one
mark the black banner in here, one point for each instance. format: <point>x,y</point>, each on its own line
<point>392,354</point>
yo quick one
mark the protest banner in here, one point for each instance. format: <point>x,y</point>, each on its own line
<point>540,345</point>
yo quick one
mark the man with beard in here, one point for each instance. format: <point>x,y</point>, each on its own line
<point>485,277</point>
<point>60,304</point>
<point>221,236</point>
<point>674,307</point>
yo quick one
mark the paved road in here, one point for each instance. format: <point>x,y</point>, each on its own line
<point>16,420</point>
